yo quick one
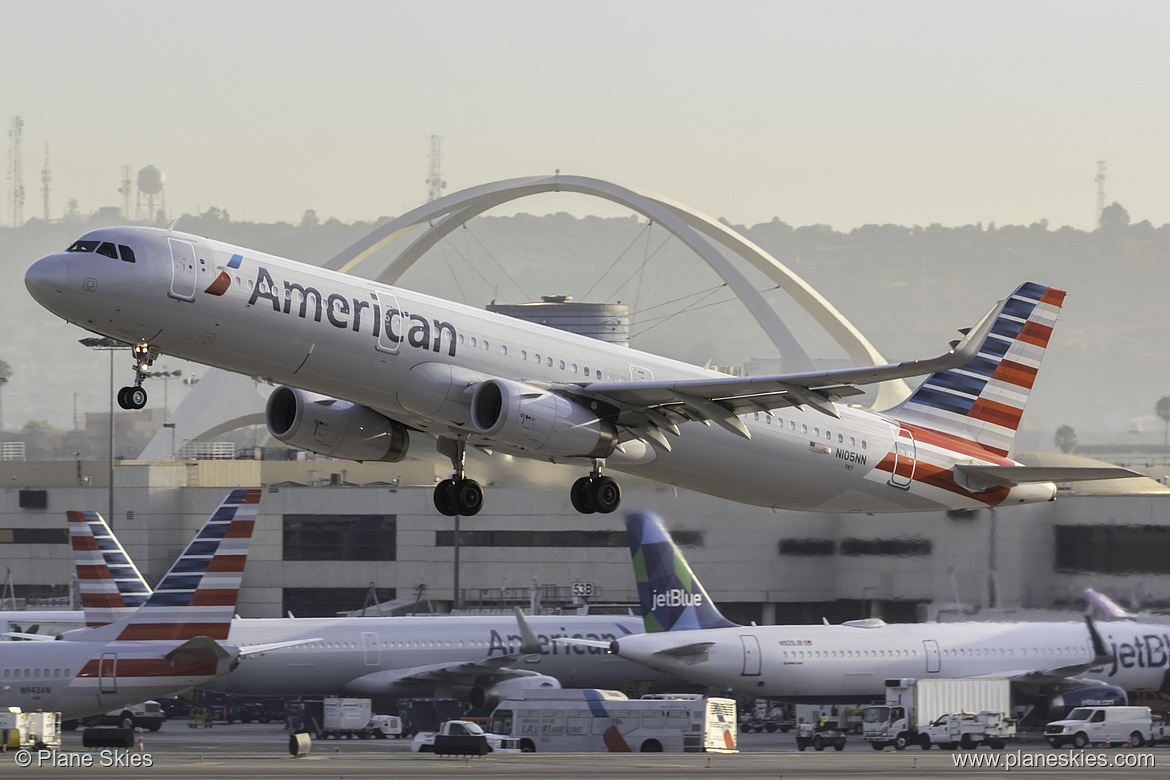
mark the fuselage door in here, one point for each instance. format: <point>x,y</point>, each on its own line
<point>393,325</point>
<point>751,655</point>
<point>373,651</point>
<point>933,657</point>
<point>108,673</point>
<point>904,460</point>
<point>184,270</point>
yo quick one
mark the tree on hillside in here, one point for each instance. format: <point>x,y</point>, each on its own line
<point>1162,408</point>
<point>1066,438</point>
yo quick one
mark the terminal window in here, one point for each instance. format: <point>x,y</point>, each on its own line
<point>340,537</point>
<point>34,536</point>
<point>1113,549</point>
<point>897,548</point>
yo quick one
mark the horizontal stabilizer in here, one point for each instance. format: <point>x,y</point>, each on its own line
<point>198,650</point>
<point>975,477</point>
<point>253,649</point>
<point>693,653</point>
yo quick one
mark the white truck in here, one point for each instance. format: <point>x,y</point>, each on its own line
<point>1085,726</point>
<point>913,705</point>
<point>354,719</point>
<point>463,738</point>
<point>968,730</point>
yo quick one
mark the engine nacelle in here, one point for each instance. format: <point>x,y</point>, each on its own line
<point>1101,695</point>
<point>486,697</point>
<point>339,429</point>
<point>530,418</point>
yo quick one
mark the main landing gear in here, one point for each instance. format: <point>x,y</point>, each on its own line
<point>134,396</point>
<point>457,495</point>
<point>596,493</point>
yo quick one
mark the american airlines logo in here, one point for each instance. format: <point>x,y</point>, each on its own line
<point>677,597</point>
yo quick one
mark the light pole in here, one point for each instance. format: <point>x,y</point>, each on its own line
<point>109,345</point>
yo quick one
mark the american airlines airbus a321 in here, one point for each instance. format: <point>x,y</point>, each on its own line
<point>362,366</point>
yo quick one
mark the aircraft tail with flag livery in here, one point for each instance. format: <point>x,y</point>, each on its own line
<point>110,584</point>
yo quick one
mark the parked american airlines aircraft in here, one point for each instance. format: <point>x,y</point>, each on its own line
<point>175,641</point>
<point>686,635</point>
<point>479,657</point>
<point>390,362</point>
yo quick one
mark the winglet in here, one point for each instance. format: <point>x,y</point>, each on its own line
<point>529,644</point>
<point>1100,652</point>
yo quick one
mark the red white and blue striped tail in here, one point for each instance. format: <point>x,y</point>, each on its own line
<point>110,584</point>
<point>197,597</point>
<point>983,400</point>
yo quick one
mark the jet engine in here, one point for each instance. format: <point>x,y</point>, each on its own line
<point>530,418</point>
<point>486,697</point>
<point>332,427</point>
<point>1100,695</point>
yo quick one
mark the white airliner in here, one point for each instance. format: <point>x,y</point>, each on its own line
<point>477,657</point>
<point>388,362</point>
<point>687,636</point>
<point>175,641</point>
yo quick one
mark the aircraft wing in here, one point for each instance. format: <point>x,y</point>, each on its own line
<point>461,673</point>
<point>975,477</point>
<point>661,405</point>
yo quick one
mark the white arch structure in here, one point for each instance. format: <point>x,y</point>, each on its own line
<point>689,226</point>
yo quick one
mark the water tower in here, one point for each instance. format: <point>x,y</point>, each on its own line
<point>152,199</point>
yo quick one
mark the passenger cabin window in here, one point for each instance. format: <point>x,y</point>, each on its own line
<point>108,249</point>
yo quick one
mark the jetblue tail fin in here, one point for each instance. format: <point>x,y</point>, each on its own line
<point>110,584</point>
<point>983,400</point>
<point>672,597</point>
<point>197,597</point>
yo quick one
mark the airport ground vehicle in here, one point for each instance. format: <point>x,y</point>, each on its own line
<point>912,705</point>
<point>766,716</point>
<point>586,720</point>
<point>1085,726</point>
<point>147,715</point>
<point>427,714</point>
<point>968,730</point>
<point>819,737</point>
<point>463,737</point>
<point>355,719</point>
<point>30,729</point>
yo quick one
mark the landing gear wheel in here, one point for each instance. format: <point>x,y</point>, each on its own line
<point>607,494</point>
<point>445,497</point>
<point>582,496</point>
<point>132,397</point>
<point>468,497</point>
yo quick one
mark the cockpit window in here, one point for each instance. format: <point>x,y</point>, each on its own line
<point>108,249</point>
<point>127,253</point>
<point>82,245</point>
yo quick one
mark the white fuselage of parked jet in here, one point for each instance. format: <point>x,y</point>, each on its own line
<point>416,359</point>
<point>841,661</point>
<point>426,655</point>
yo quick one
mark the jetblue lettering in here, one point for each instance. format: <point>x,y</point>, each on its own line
<point>677,597</point>
<point>1148,651</point>
<point>342,313</point>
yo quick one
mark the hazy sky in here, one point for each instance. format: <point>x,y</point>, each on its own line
<point>816,112</point>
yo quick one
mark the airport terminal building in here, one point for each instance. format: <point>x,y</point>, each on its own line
<point>329,531</point>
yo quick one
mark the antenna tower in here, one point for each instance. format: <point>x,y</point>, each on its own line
<point>46,178</point>
<point>16,171</point>
<point>1100,190</point>
<point>435,183</point>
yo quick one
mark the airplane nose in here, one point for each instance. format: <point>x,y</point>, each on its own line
<point>45,279</point>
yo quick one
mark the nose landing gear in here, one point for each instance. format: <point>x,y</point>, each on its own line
<point>457,495</point>
<point>134,396</point>
<point>596,493</point>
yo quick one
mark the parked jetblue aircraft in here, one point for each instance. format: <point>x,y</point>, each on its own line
<point>686,635</point>
<point>392,363</point>
<point>176,640</point>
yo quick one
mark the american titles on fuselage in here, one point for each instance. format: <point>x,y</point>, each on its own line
<point>421,334</point>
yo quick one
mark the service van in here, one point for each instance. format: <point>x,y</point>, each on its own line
<point>1086,726</point>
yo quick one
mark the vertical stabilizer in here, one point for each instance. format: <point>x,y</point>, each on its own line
<point>984,400</point>
<point>672,597</point>
<point>110,585</point>
<point>197,597</point>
